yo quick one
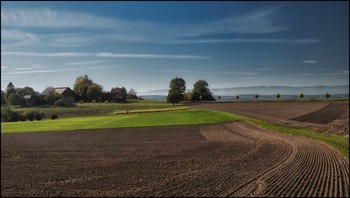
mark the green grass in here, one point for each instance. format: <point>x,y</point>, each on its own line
<point>97,109</point>
<point>151,110</point>
<point>182,117</point>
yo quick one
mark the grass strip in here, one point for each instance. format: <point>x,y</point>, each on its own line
<point>166,118</point>
<point>150,110</point>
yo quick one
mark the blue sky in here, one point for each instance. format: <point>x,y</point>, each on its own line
<point>143,45</point>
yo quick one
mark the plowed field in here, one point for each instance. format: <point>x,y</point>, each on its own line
<point>322,116</point>
<point>234,159</point>
<point>325,115</point>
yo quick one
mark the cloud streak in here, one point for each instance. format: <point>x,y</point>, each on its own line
<point>30,71</point>
<point>244,40</point>
<point>258,22</point>
<point>310,61</point>
<point>104,55</point>
<point>85,62</point>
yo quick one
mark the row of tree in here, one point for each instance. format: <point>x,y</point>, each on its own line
<point>278,95</point>
<point>177,89</point>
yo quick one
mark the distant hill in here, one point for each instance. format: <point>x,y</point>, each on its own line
<point>250,97</point>
<point>269,90</point>
<point>283,90</point>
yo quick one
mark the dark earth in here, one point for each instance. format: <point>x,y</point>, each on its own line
<point>232,159</point>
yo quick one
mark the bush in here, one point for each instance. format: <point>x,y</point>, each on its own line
<point>39,116</point>
<point>8,115</point>
<point>54,116</point>
<point>22,117</point>
<point>34,115</point>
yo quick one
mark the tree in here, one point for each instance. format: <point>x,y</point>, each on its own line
<point>10,89</point>
<point>118,91</point>
<point>94,92</point>
<point>301,95</point>
<point>14,99</point>
<point>219,97</point>
<point>177,88</point>
<point>278,95</point>
<point>52,97</point>
<point>201,89</point>
<point>25,91</point>
<point>237,97</point>
<point>188,96</point>
<point>81,86</point>
<point>3,101</point>
<point>256,96</point>
<point>327,95</point>
<point>132,92</point>
<point>132,95</point>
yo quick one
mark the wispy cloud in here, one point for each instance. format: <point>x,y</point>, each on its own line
<point>249,78</point>
<point>3,67</point>
<point>51,18</point>
<point>104,54</point>
<point>85,38</point>
<point>258,21</point>
<point>115,55</point>
<point>30,70</point>
<point>23,68</point>
<point>86,62</point>
<point>321,74</point>
<point>63,54</point>
<point>206,72</point>
<point>310,61</point>
<point>243,40</point>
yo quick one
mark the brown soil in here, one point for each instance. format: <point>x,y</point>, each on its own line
<point>234,159</point>
<point>322,116</point>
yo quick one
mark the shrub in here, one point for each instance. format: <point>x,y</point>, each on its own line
<point>30,115</point>
<point>8,115</point>
<point>39,116</point>
<point>54,116</point>
<point>22,117</point>
<point>34,115</point>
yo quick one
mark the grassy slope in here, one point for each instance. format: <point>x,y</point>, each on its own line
<point>182,117</point>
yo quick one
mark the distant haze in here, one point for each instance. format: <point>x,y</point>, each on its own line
<point>269,90</point>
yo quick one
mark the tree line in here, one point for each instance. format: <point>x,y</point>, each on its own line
<point>84,90</point>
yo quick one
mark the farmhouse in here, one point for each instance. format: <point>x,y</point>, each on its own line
<point>68,96</point>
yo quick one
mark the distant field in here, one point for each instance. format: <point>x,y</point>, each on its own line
<point>181,117</point>
<point>96,109</point>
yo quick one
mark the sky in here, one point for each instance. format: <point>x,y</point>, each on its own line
<point>143,45</point>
